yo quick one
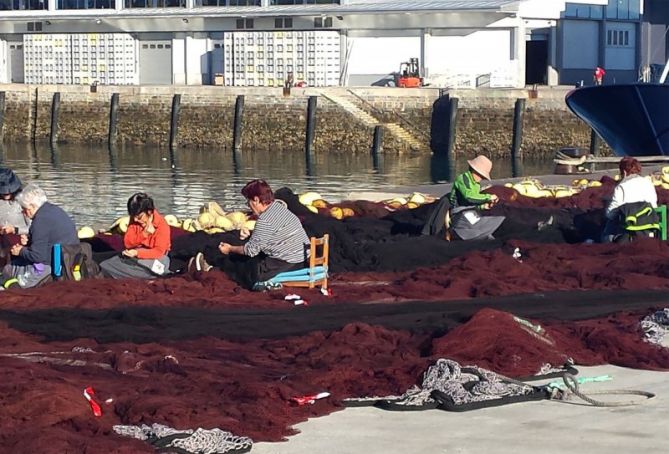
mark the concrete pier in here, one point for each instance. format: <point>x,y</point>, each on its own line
<point>271,120</point>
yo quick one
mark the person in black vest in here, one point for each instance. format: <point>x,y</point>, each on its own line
<point>31,259</point>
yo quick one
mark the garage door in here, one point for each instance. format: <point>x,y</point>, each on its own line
<point>155,62</point>
<point>16,74</point>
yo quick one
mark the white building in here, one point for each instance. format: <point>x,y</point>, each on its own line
<point>465,43</point>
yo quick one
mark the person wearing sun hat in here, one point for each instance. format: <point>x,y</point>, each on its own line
<point>467,201</point>
<point>12,219</point>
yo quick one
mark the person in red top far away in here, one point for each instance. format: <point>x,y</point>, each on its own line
<point>598,76</point>
<point>147,242</point>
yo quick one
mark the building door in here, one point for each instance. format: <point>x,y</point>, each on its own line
<point>155,62</point>
<point>16,74</point>
<point>216,62</point>
<point>536,64</point>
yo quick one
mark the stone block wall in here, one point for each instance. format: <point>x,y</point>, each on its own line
<point>276,122</point>
<point>84,117</point>
<point>144,118</point>
<point>206,121</point>
<point>17,124</point>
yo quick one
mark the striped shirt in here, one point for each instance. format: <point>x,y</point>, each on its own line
<point>279,234</point>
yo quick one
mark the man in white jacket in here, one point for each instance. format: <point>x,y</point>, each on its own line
<point>633,188</point>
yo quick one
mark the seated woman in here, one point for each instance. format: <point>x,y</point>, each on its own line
<point>632,194</point>
<point>467,200</point>
<point>31,261</point>
<point>278,242</point>
<point>147,242</point>
<point>12,220</point>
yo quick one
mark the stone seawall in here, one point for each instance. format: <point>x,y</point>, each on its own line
<point>276,122</point>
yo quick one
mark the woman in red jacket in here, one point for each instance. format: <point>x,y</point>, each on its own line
<point>147,242</point>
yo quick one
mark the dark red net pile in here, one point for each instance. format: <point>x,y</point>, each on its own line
<point>200,351</point>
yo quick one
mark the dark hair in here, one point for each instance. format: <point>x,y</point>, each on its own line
<point>629,165</point>
<point>140,203</point>
<point>260,189</point>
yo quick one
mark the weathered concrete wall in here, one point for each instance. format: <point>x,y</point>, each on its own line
<point>276,122</point>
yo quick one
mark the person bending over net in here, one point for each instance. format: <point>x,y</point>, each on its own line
<point>278,242</point>
<point>147,242</point>
<point>469,211</point>
<point>631,209</point>
<point>31,258</point>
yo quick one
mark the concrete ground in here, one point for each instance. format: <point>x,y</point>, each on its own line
<point>525,428</point>
<point>440,189</point>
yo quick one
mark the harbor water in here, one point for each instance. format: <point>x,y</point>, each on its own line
<point>93,183</point>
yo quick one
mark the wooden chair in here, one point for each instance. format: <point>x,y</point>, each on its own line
<point>318,265</point>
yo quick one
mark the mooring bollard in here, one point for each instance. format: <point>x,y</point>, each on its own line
<point>377,140</point>
<point>237,126</point>
<point>517,140</point>
<point>377,147</point>
<point>518,113</point>
<point>2,113</point>
<point>55,110</point>
<point>452,128</point>
<point>311,122</point>
<point>174,121</point>
<point>595,143</point>
<point>113,119</point>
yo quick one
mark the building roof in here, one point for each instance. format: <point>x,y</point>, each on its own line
<point>352,7</point>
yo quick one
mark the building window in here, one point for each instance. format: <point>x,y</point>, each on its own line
<point>86,4</point>
<point>155,3</point>
<point>227,3</point>
<point>8,5</point>
<point>304,2</point>
<point>618,38</point>
<point>243,24</point>
<point>322,22</point>
<point>283,22</point>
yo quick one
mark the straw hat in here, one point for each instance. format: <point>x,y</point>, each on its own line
<point>9,182</point>
<point>481,165</point>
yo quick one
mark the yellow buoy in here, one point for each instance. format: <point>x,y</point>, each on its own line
<point>319,203</point>
<point>417,198</point>
<point>121,224</point>
<point>85,232</point>
<point>224,223</point>
<point>238,219</point>
<point>312,208</point>
<point>347,212</point>
<point>172,220</point>
<point>308,198</point>
<point>250,224</point>
<point>336,212</point>
<point>206,220</point>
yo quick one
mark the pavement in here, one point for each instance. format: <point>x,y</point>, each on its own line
<point>523,428</point>
<point>440,189</point>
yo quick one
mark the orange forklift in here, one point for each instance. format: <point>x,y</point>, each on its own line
<point>409,75</point>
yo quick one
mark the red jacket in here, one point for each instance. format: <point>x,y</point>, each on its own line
<point>151,246</point>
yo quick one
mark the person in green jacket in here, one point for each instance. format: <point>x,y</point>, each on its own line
<point>467,201</point>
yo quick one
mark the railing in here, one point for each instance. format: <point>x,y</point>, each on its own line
<point>369,105</point>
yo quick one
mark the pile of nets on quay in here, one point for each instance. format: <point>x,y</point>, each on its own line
<point>200,352</point>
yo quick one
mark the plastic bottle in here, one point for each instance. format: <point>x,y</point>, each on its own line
<point>57,261</point>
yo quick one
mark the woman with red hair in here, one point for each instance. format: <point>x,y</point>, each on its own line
<point>631,195</point>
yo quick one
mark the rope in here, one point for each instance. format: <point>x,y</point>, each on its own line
<point>573,388</point>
